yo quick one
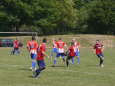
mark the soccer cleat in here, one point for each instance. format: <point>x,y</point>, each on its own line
<point>78,63</point>
<point>30,68</point>
<point>102,65</point>
<point>36,75</point>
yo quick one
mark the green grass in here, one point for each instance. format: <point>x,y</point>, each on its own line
<point>14,70</point>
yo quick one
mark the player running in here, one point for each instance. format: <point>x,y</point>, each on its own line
<point>77,50</point>
<point>99,52</point>
<point>40,59</point>
<point>70,53</point>
<point>15,47</point>
<point>32,47</point>
<point>60,50</point>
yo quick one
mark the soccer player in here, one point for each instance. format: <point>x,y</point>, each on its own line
<point>77,50</point>
<point>71,53</point>
<point>54,50</point>
<point>40,58</point>
<point>15,47</point>
<point>98,47</point>
<point>32,47</point>
<point>60,50</point>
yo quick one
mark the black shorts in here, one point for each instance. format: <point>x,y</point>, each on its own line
<point>69,57</point>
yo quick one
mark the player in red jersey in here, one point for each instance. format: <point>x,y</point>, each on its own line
<point>40,58</point>
<point>71,53</point>
<point>99,51</point>
<point>77,50</point>
<point>60,50</point>
<point>32,47</point>
<point>15,47</point>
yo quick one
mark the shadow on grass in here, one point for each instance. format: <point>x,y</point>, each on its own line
<point>25,69</point>
<point>56,66</point>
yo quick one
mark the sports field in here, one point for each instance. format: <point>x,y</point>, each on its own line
<point>14,70</point>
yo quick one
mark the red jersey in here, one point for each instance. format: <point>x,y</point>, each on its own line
<point>32,46</point>
<point>60,45</point>
<point>42,48</point>
<point>71,51</point>
<point>98,47</point>
<point>16,44</point>
<point>76,44</point>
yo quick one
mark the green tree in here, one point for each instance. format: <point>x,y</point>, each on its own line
<point>97,16</point>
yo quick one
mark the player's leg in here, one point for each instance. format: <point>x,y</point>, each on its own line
<point>101,60</point>
<point>72,60</point>
<point>52,52</point>
<point>18,50</point>
<point>67,60</point>
<point>78,57</point>
<point>41,65</point>
<point>55,58</point>
<point>33,57</point>
<point>14,50</point>
<point>63,57</point>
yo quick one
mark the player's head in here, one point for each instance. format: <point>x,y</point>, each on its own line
<point>44,40</point>
<point>33,38</point>
<point>53,39</point>
<point>72,43</point>
<point>60,38</point>
<point>73,40</point>
<point>97,41</point>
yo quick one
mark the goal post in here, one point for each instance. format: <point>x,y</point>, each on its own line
<point>22,36</point>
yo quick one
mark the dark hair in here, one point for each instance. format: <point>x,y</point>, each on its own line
<point>72,43</point>
<point>33,38</point>
<point>44,40</point>
<point>60,39</point>
<point>98,40</point>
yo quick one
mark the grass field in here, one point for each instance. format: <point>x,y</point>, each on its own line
<point>14,69</point>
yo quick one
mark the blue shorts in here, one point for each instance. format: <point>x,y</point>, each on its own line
<point>41,63</point>
<point>33,56</point>
<point>54,50</point>
<point>77,53</point>
<point>60,54</point>
<point>100,55</point>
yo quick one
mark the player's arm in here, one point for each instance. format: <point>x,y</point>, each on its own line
<point>45,54</point>
<point>102,48</point>
<point>79,45</point>
<point>66,47</point>
<point>43,51</point>
<point>28,48</point>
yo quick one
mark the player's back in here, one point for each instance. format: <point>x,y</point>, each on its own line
<point>32,44</point>
<point>71,51</point>
<point>40,54</point>
<point>16,43</point>
<point>98,48</point>
<point>60,44</point>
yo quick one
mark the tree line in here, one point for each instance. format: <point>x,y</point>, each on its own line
<point>58,16</point>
